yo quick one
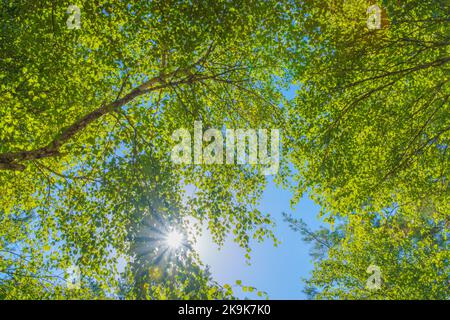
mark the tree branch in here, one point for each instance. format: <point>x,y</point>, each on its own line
<point>11,160</point>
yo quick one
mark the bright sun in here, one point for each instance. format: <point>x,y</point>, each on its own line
<point>174,239</point>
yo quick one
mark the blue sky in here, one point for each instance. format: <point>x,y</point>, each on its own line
<point>276,270</point>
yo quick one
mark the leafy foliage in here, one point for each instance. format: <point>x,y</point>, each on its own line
<point>370,145</point>
<point>86,121</point>
<point>85,139</point>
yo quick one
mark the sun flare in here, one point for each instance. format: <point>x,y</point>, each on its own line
<point>174,239</point>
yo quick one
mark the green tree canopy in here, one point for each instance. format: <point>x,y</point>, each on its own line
<point>371,146</point>
<point>87,117</point>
